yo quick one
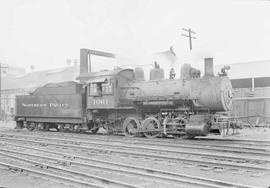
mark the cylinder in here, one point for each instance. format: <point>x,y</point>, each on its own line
<point>197,130</point>
<point>208,67</point>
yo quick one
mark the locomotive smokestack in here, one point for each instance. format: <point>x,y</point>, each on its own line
<point>208,67</point>
<point>83,61</point>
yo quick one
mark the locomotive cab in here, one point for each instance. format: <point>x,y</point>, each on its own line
<point>100,93</point>
<point>104,88</point>
<point>104,104</point>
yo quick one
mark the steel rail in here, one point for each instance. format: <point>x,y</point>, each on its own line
<point>235,140</point>
<point>189,141</point>
<point>217,183</point>
<point>230,157</point>
<point>99,178</point>
<point>223,148</point>
<point>165,157</point>
<point>49,175</point>
<point>177,145</point>
<point>169,144</point>
<point>197,141</point>
<point>154,140</point>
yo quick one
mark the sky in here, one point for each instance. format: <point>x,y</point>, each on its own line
<point>45,33</point>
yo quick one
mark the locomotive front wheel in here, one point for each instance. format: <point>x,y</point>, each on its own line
<point>151,126</point>
<point>130,126</point>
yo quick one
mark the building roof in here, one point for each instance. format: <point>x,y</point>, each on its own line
<point>101,76</point>
<point>252,69</point>
<point>10,71</point>
<point>40,78</point>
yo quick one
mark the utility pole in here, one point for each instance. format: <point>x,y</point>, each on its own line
<point>1,88</point>
<point>190,32</point>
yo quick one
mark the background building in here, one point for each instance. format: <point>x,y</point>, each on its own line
<point>23,83</point>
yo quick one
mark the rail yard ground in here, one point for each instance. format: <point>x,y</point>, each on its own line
<point>55,159</point>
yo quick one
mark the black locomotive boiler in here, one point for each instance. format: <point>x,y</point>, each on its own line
<point>121,101</point>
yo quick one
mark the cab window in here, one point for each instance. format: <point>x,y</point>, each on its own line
<point>107,88</point>
<point>98,89</point>
<point>94,89</point>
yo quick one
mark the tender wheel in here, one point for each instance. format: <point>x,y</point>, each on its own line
<point>19,125</point>
<point>130,126</point>
<point>152,126</point>
<point>60,128</point>
<point>46,126</point>
<point>77,128</point>
<point>31,126</point>
<point>40,126</point>
<point>71,127</point>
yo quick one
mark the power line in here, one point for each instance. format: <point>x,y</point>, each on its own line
<point>190,32</point>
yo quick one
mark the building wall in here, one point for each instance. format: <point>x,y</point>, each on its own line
<point>8,102</point>
<point>249,109</point>
<point>252,99</point>
<point>248,92</point>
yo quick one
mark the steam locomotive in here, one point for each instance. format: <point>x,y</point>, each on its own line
<point>122,101</point>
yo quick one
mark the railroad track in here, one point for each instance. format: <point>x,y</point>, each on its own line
<point>221,143</point>
<point>151,173</point>
<point>128,148</point>
<point>198,149</point>
<point>62,179</point>
<point>250,141</point>
<point>180,144</point>
<point>144,152</point>
<point>158,143</point>
<point>51,170</point>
